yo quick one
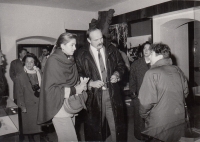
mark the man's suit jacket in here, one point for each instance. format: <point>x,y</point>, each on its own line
<point>16,67</point>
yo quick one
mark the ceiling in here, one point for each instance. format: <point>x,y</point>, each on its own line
<point>83,5</point>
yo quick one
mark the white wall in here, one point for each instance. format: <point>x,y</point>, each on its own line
<point>169,29</point>
<point>181,48</point>
<point>20,21</point>
<point>160,20</point>
<point>132,5</point>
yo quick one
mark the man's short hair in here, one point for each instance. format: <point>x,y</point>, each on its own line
<point>46,48</point>
<point>146,43</point>
<point>161,49</point>
<point>91,30</point>
<point>23,49</point>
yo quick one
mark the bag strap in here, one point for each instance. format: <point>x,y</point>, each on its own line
<point>29,79</point>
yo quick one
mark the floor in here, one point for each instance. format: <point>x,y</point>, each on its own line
<point>194,118</point>
<point>194,113</point>
<point>53,137</point>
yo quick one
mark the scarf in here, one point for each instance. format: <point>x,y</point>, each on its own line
<point>34,71</point>
<point>60,71</point>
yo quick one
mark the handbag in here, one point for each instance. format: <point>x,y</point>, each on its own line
<point>48,127</point>
<point>75,103</point>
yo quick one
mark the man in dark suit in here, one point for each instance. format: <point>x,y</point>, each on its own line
<point>16,67</point>
<point>105,67</point>
<point>43,58</point>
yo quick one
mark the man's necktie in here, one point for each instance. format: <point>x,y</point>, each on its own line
<point>102,68</point>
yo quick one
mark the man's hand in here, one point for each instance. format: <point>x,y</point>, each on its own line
<point>96,84</point>
<point>23,110</point>
<point>114,78</point>
<point>84,81</point>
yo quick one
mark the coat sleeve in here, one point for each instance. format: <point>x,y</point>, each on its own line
<point>12,71</point>
<point>184,84</point>
<point>132,79</point>
<point>120,67</point>
<point>186,91</point>
<point>148,94</point>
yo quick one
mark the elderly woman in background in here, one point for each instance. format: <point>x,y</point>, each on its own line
<point>59,84</point>
<point>28,87</point>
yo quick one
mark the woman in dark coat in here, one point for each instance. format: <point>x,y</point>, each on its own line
<point>137,72</point>
<point>59,82</point>
<point>27,98</point>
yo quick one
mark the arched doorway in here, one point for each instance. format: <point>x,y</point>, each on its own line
<point>35,44</point>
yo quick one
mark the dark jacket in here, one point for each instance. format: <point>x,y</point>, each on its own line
<point>16,67</point>
<point>3,83</point>
<point>137,72</point>
<point>87,68</point>
<point>162,96</point>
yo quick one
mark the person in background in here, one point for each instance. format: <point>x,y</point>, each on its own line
<point>3,82</point>
<point>163,91</point>
<point>137,72</point>
<point>124,81</point>
<point>105,67</point>
<point>43,58</point>
<point>130,55</point>
<point>16,67</point>
<point>60,83</point>
<point>27,90</point>
<point>124,56</point>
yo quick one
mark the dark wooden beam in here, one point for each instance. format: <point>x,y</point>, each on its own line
<point>148,12</point>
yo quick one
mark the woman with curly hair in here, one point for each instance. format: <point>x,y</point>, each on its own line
<point>28,90</point>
